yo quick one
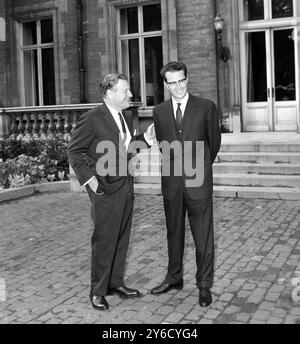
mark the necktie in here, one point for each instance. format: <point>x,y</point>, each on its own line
<point>178,116</point>
<point>123,126</point>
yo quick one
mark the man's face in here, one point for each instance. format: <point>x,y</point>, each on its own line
<point>119,96</point>
<point>177,84</point>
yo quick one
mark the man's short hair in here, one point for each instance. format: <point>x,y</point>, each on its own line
<point>109,81</point>
<point>173,66</point>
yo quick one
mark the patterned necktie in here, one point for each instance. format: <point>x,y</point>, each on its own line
<point>178,116</point>
<point>123,127</point>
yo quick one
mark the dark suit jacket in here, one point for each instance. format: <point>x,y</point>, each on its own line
<point>200,123</point>
<point>93,127</point>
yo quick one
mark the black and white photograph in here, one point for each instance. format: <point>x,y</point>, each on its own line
<point>149,165</point>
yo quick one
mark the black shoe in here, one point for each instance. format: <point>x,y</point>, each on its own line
<point>205,298</point>
<point>99,302</point>
<point>165,287</point>
<point>124,292</point>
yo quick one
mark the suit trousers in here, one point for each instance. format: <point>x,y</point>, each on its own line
<point>112,217</point>
<point>200,215</point>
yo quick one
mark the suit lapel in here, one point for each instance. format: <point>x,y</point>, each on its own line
<point>169,118</point>
<point>129,126</point>
<point>111,122</point>
<point>190,110</point>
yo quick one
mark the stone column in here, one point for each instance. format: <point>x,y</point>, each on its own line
<point>4,124</point>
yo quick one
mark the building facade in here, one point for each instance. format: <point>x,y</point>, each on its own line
<point>54,52</point>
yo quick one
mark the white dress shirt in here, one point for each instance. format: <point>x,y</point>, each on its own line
<point>183,103</point>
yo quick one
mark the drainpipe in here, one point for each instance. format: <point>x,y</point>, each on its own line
<point>217,65</point>
<point>79,8</point>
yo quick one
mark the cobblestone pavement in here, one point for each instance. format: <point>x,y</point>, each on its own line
<point>45,264</point>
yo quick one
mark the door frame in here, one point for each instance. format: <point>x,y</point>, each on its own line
<point>268,115</point>
<point>266,124</point>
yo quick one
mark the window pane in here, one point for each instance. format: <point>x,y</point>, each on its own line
<point>256,67</point>
<point>48,76</point>
<point>253,10</point>
<point>152,17</point>
<point>282,8</point>
<point>47,31</point>
<point>129,20</point>
<point>31,78</point>
<point>284,51</point>
<point>131,66</point>
<point>153,65</point>
<point>29,33</point>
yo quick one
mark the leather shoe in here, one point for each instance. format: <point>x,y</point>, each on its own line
<point>164,287</point>
<point>205,298</point>
<point>124,292</point>
<point>99,302</point>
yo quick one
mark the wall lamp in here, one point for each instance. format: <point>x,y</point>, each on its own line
<point>224,52</point>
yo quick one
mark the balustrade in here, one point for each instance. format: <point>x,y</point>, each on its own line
<point>42,122</point>
<point>25,123</point>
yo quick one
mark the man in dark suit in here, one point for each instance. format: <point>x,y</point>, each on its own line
<point>187,119</point>
<point>98,153</point>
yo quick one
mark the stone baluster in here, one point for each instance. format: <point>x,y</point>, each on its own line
<point>36,125</point>
<point>59,125</point>
<point>28,127</point>
<point>14,127</point>
<point>67,127</point>
<point>43,127</point>
<point>51,127</point>
<point>75,116</point>
<point>21,127</point>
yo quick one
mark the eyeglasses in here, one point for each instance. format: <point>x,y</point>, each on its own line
<point>180,83</point>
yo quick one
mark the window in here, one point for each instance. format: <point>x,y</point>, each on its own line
<point>38,62</point>
<point>140,52</point>
<point>267,9</point>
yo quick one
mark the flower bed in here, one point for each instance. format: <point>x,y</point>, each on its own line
<point>35,161</point>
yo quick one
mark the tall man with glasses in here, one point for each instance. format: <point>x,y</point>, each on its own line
<point>111,194</point>
<point>186,118</point>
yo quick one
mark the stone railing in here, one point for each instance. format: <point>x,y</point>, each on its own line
<point>46,121</point>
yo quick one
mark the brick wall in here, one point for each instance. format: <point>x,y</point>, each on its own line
<point>196,45</point>
<point>195,38</point>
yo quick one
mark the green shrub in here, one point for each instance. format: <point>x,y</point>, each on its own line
<point>31,162</point>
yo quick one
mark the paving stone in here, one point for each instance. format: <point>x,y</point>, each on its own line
<point>46,263</point>
<point>174,317</point>
<point>226,297</point>
<point>261,315</point>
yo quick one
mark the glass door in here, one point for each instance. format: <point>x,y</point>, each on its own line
<point>268,76</point>
<point>256,81</point>
<point>284,81</point>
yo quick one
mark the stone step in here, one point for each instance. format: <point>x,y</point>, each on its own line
<point>233,167</point>
<point>147,189</point>
<point>235,179</point>
<point>259,157</point>
<point>146,167</point>
<point>148,178</point>
<point>257,192</point>
<point>260,147</point>
<point>233,191</point>
<point>262,168</point>
<point>257,180</point>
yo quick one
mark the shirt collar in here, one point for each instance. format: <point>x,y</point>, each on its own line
<point>113,111</point>
<point>183,102</point>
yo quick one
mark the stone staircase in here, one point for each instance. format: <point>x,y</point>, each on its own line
<point>245,170</point>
